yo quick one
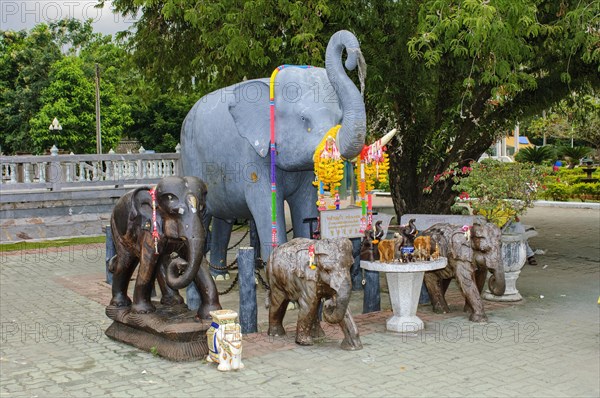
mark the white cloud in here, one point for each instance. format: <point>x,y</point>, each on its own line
<point>25,14</point>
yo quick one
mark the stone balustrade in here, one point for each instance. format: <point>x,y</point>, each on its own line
<point>58,172</point>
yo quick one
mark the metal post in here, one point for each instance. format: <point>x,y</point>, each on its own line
<point>372,295</point>
<point>110,252</point>
<point>355,270</point>
<point>248,307</point>
<point>98,134</point>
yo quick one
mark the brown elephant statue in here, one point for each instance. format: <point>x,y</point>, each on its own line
<point>162,230</point>
<point>471,253</point>
<point>293,276</point>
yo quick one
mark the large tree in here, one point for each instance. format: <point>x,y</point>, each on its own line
<point>451,75</point>
<point>25,62</point>
<point>49,72</point>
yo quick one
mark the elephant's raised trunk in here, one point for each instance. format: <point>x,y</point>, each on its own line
<point>335,308</point>
<point>351,137</point>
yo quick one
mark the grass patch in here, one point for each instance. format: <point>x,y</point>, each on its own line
<point>24,245</point>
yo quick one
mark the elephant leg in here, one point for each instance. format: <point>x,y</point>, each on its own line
<point>255,243</point>
<point>307,316</point>
<point>351,340</point>
<point>145,279</point>
<point>208,292</point>
<point>480,277</point>
<point>466,280</point>
<point>261,212</point>
<point>169,296</point>
<point>277,307</point>
<point>124,264</point>
<point>444,283</point>
<point>436,293</point>
<point>302,203</point>
<point>220,236</point>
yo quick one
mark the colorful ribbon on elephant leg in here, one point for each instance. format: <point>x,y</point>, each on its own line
<point>154,222</point>
<point>273,148</point>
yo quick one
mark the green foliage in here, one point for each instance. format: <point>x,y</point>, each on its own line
<point>585,191</point>
<point>70,97</point>
<point>573,154</point>
<point>568,184</point>
<point>500,191</point>
<point>537,155</point>
<point>25,62</point>
<point>158,124</point>
<point>40,83</point>
<point>558,192</point>
<point>577,116</point>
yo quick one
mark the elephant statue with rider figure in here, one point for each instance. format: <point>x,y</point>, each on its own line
<point>162,230</point>
<point>471,251</point>
<point>308,271</point>
<point>225,140</point>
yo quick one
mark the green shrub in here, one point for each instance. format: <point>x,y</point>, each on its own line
<point>557,191</point>
<point>582,191</point>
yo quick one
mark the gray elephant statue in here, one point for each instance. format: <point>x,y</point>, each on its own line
<point>163,232</point>
<point>225,140</point>
<point>471,252</point>
<point>294,276</point>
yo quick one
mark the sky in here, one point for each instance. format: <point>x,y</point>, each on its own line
<point>25,14</point>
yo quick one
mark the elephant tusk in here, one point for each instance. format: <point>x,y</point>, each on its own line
<point>388,137</point>
<point>381,142</point>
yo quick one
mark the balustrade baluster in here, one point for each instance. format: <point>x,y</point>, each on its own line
<point>68,177</point>
<point>26,173</point>
<point>42,171</point>
<point>109,171</point>
<point>81,171</point>
<point>13,173</point>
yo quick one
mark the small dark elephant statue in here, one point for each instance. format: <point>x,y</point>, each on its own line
<point>163,231</point>
<point>369,247</point>
<point>471,252</point>
<point>294,277</point>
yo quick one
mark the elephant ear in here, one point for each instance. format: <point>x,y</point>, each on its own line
<point>140,210</point>
<point>198,187</point>
<point>302,267</point>
<point>249,107</point>
<point>460,247</point>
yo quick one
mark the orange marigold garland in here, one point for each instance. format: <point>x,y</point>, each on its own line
<point>373,165</point>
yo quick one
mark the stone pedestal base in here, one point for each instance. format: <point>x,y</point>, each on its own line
<point>404,283</point>
<point>406,288</point>
<point>511,293</point>
<point>171,332</point>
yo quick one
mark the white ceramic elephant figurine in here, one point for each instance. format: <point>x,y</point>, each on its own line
<point>225,140</point>
<point>225,342</point>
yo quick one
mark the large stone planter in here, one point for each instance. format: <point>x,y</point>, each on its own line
<point>514,255</point>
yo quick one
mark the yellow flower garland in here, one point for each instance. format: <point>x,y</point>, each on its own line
<point>328,169</point>
<point>373,171</point>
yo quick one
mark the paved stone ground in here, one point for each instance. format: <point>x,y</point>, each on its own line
<point>52,340</point>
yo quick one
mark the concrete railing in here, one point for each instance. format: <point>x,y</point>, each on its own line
<point>73,172</point>
<point>53,196</point>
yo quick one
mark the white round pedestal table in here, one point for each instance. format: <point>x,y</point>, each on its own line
<point>404,284</point>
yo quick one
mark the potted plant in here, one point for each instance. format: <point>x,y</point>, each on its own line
<point>502,192</point>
